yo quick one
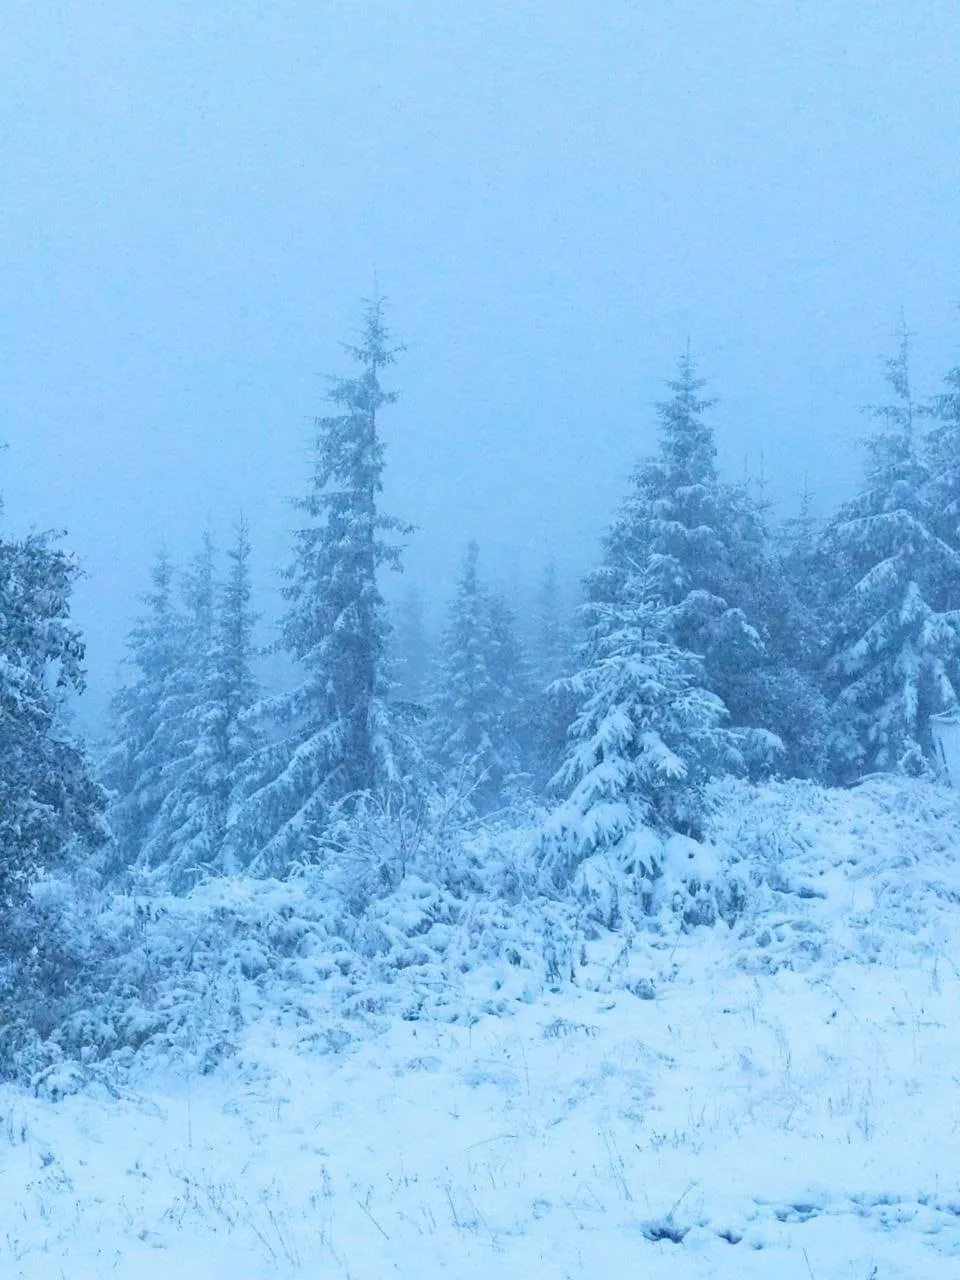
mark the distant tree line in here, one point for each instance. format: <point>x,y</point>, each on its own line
<point>709,640</point>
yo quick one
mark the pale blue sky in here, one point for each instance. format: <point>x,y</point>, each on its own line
<point>554,195</point>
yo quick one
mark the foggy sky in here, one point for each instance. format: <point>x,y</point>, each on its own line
<point>553,196</point>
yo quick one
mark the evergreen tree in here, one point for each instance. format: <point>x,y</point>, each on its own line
<point>231,732</point>
<point>332,737</point>
<point>797,540</point>
<point>646,738</point>
<point>785,685</point>
<point>187,837</point>
<point>171,848</point>
<point>515,729</point>
<point>552,706</point>
<point>698,543</point>
<point>48,797</point>
<point>199,590</point>
<point>411,649</point>
<point>465,695</point>
<point>151,731</point>
<point>552,647</point>
<point>480,688</point>
<point>942,461</point>
<point>893,642</point>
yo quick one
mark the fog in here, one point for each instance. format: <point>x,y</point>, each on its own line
<point>554,197</point>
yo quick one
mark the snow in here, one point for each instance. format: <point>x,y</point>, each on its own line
<point>773,1099</point>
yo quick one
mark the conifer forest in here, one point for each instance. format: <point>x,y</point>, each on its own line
<point>377,898</point>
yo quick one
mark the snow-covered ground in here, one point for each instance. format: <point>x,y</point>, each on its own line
<point>780,1099</point>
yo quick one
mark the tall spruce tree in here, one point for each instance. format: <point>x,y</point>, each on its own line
<point>232,734</point>
<point>552,639</point>
<point>48,797</point>
<point>332,736</point>
<point>480,688</point>
<point>893,643</point>
<point>700,546</point>
<point>151,724</point>
<point>552,707</point>
<point>786,684</point>
<point>941,455</point>
<point>509,667</point>
<point>188,836</point>
<point>171,848</point>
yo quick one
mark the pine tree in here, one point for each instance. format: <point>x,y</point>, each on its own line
<point>798,539</point>
<point>187,837</point>
<point>552,707</point>
<point>48,797</point>
<point>509,667</point>
<point>173,848</point>
<point>200,597</point>
<point>646,738</point>
<point>480,688</point>
<point>942,460</point>
<point>784,687</point>
<point>151,727</point>
<point>552,647</point>
<point>332,736</point>
<point>893,643</point>
<point>698,543</point>
<point>231,732</point>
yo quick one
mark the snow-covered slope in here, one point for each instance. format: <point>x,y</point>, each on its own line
<point>777,1098</point>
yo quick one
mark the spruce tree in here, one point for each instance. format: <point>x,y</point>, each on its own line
<point>646,738</point>
<point>151,726</point>
<point>797,541</point>
<point>551,706</point>
<point>173,847</point>
<point>516,730</point>
<point>49,800</point>
<point>552,642</point>
<point>941,456</point>
<point>893,644</point>
<point>332,737</point>
<point>700,546</point>
<point>189,833</point>
<point>785,686</point>
<point>232,735</point>
<point>480,687</point>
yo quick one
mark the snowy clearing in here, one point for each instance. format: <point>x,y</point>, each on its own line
<point>768,1107</point>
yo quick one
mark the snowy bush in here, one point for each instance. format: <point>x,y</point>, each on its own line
<point>401,908</point>
<point>440,918</point>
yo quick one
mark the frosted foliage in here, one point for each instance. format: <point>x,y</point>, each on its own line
<point>151,737</point>
<point>699,543</point>
<point>645,740</point>
<point>893,636</point>
<point>942,455</point>
<point>48,799</point>
<point>481,689</point>
<point>189,838</point>
<point>253,1081</point>
<point>331,737</point>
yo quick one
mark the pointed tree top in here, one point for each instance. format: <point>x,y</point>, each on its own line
<point>688,442</point>
<point>373,349</point>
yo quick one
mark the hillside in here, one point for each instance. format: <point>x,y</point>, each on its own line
<point>473,1082</point>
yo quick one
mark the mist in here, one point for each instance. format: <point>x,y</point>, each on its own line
<point>553,198</point>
